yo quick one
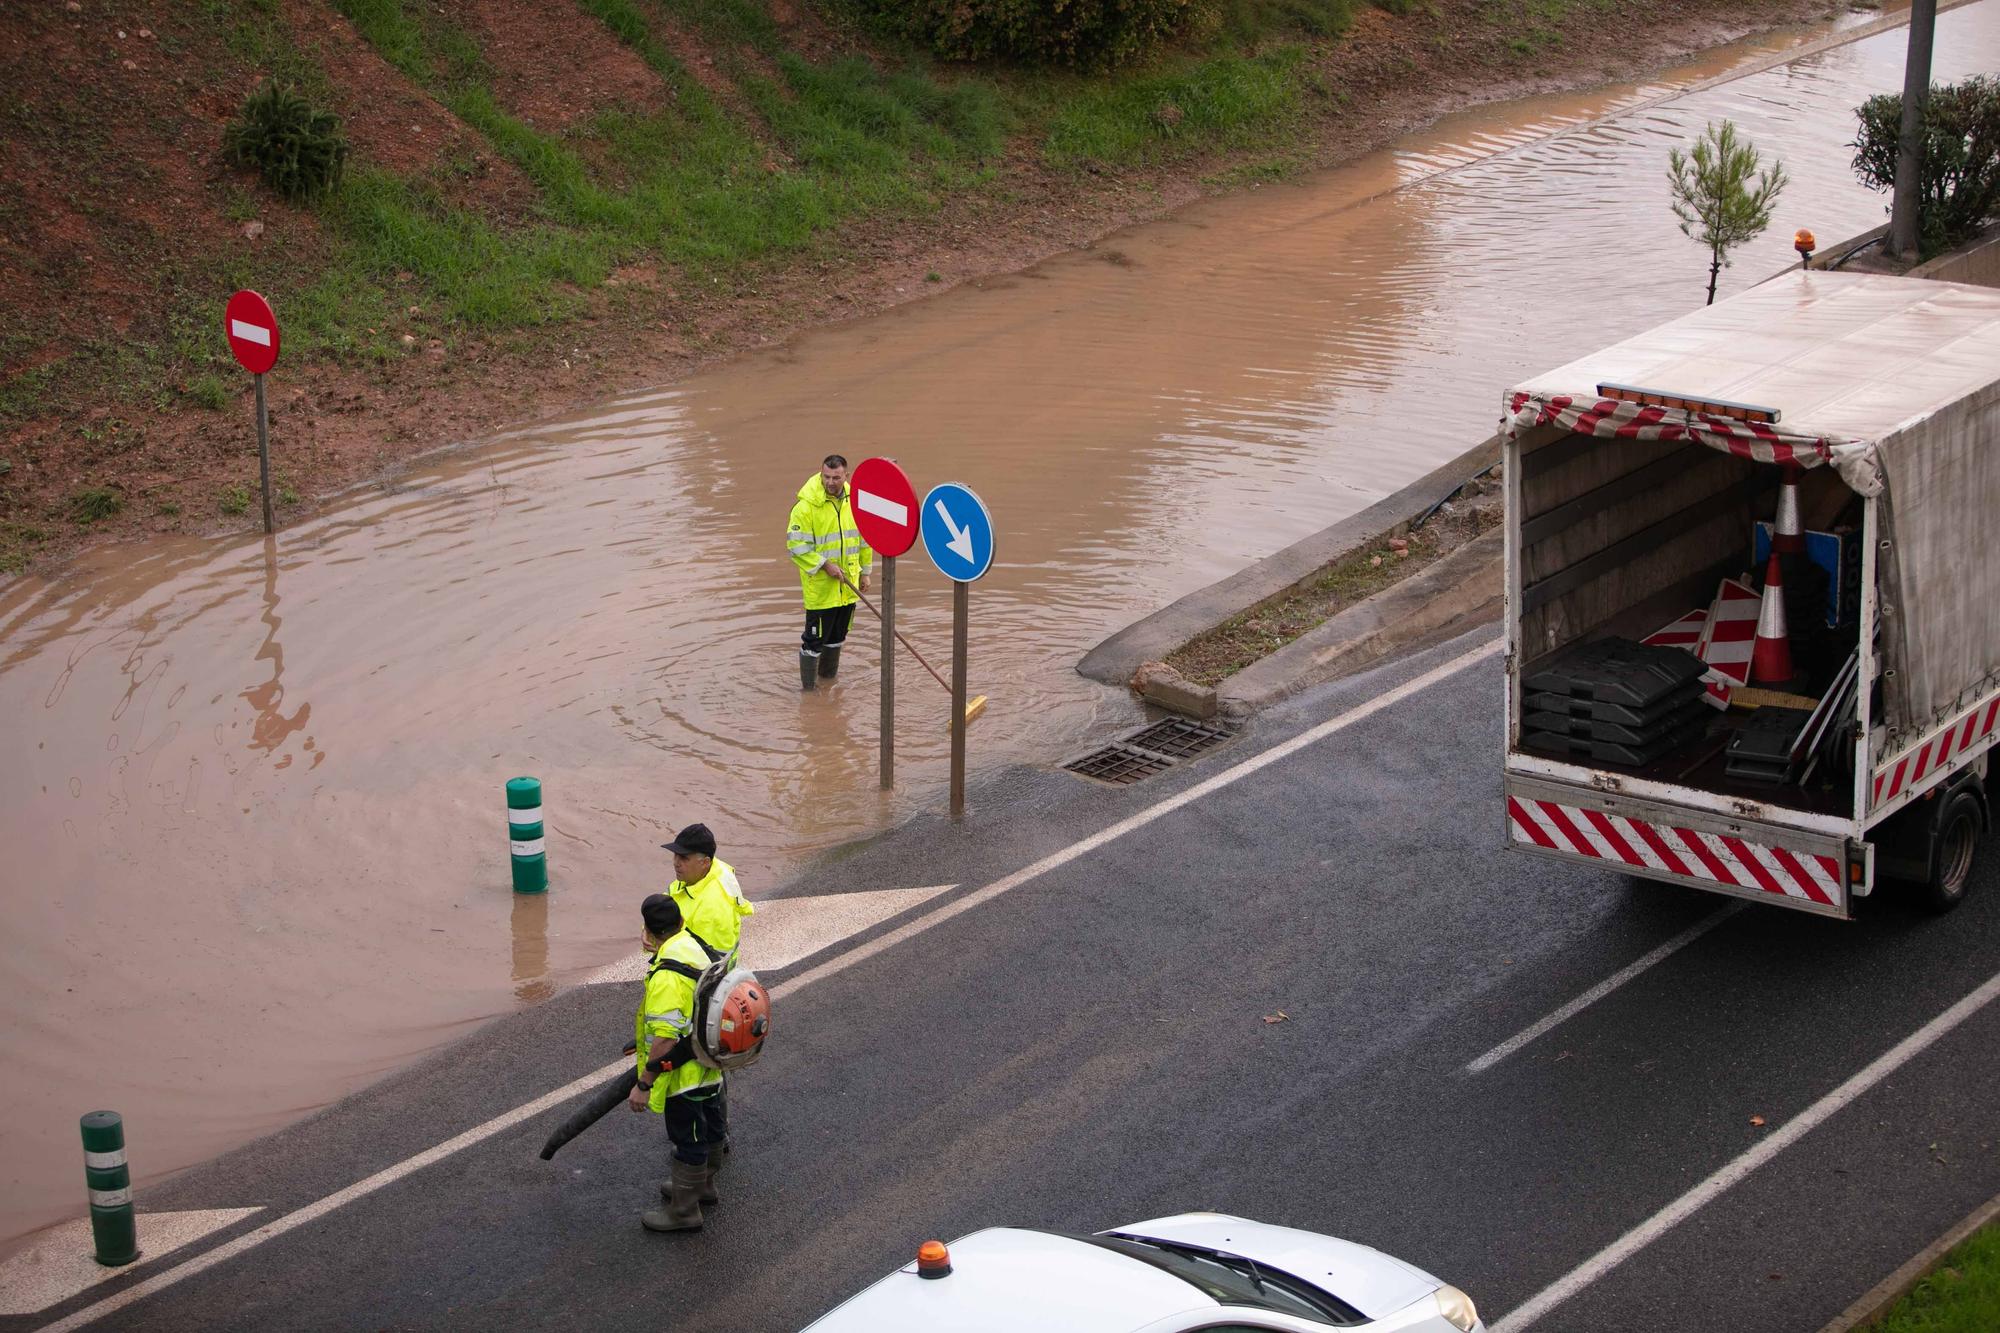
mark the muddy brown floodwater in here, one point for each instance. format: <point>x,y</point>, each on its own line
<point>252,793</point>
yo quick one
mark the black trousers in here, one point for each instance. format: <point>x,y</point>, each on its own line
<point>826,629</point>
<point>696,1123</point>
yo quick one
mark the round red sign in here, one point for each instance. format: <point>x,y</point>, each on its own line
<point>885,506</point>
<point>252,330</point>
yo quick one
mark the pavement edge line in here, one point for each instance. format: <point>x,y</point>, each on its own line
<point>1629,1244</point>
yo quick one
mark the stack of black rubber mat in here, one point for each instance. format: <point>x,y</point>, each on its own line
<point>1763,750</point>
<point>1614,701</point>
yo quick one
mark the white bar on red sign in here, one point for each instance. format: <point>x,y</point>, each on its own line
<point>882,507</point>
<point>254,333</point>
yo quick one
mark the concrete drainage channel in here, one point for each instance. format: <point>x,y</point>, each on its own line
<point>1150,749</point>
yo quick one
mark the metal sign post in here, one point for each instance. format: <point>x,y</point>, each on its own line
<point>888,672</point>
<point>264,455</point>
<point>958,537</point>
<point>961,601</point>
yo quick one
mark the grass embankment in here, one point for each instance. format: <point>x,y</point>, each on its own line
<point>1960,1295</point>
<point>705,185</point>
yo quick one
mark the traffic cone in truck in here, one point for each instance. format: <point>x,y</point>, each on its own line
<point>1771,658</point>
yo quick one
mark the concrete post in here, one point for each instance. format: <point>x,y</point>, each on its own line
<point>524,835</point>
<point>112,1224</point>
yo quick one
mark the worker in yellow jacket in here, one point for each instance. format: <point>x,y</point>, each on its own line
<point>672,1084</point>
<point>833,561</point>
<point>705,889</point>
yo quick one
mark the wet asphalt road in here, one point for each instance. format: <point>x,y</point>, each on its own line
<point>1090,1049</point>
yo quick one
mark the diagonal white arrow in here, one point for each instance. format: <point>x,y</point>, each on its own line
<point>961,538</point>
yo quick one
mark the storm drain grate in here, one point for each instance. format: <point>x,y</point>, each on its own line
<point>1119,766</point>
<point>1149,750</point>
<point>1178,738</point>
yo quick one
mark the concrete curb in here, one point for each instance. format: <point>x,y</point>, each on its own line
<point>1459,589</point>
<point>1151,639</point>
<point>1897,1285</point>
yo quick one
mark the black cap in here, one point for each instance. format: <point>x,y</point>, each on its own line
<point>661,914</point>
<point>694,840</point>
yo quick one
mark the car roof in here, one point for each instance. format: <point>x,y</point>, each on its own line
<point>1005,1280</point>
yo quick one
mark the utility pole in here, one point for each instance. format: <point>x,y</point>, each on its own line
<point>1910,143</point>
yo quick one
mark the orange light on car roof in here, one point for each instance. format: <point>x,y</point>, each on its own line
<point>933,1259</point>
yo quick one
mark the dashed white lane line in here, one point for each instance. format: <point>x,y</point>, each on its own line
<point>312,1212</point>
<point>1602,989</point>
<point>1695,1199</point>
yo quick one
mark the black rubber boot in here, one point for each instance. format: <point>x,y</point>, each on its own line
<point>683,1210</point>
<point>829,662</point>
<point>808,669</point>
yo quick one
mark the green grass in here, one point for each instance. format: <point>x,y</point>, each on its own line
<point>1225,101</point>
<point>713,187</point>
<point>1961,1295</point>
<point>208,391</point>
<point>92,505</point>
<point>234,500</point>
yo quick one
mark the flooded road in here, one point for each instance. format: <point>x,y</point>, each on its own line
<point>254,800</point>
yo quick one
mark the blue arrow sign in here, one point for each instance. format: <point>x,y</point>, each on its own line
<point>958,532</point>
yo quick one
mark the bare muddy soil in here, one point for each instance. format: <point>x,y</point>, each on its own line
<point>101,264</point>
<point>1256,633</point>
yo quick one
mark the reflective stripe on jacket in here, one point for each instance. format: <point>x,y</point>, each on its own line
<point>713,907</point>
<point>666,1010</point>
<point>820,530</point>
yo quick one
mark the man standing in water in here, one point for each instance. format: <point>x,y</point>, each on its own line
<point>833,562</point>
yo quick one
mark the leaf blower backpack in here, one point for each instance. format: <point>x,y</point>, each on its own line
<point>732,1013</point>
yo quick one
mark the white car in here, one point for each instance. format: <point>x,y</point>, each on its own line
<point>1197,1271</point>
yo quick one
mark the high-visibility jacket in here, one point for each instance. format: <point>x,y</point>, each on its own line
<point>666,1010</point>
<point>713,907</point>
<point>822,529</point>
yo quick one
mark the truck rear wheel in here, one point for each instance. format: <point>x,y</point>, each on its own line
<point>1958,831</point>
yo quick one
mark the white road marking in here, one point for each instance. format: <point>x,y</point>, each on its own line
<point>592,1081</point>
<point>784,930</point>
<point>1688,1204</point>
<point>882,507</point>
<point>60,1264</point>
<point>1601,989</point>
<point>251,333</point>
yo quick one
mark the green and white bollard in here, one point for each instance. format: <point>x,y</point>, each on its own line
<point>524,834</point>
<point>112,1226</point>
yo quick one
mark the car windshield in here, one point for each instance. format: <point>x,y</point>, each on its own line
<point>1230,1279</point>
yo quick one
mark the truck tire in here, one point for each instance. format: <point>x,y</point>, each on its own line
<point>1952,851</point>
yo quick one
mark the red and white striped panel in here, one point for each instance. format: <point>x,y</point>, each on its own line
<point>1919,766</point>
<point>1689,853</point>
<point>1730,639</point>
<point>1687,633</point>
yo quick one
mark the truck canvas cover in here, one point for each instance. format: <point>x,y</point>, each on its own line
<point>1893,382</point>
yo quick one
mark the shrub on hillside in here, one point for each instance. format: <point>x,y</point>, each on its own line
<point>298,148</point>
<point>1960,185</point>
<point>1085,34</point>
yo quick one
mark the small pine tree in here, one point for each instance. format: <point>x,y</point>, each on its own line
<point>297,148</point>
<point>1713,195</point>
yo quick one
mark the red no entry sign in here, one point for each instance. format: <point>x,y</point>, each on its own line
<point>252,330</point>
<point>885,506</point>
